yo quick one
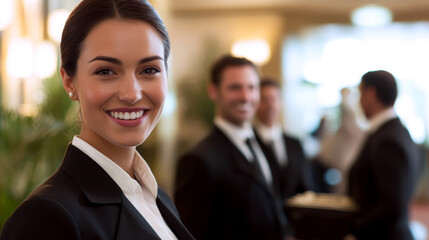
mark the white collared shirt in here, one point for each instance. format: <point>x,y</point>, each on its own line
<point>142,193</point>
<point>381,118</point>
<point>273,136</point>
<point>238,136</point>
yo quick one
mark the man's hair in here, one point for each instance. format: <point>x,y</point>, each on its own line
<point>384,84</point>
<point>269,82</point>
<point>228,61</point>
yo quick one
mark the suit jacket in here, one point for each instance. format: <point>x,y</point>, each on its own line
<point>219,196</point>
<point>81,201</point>
<point>382,182</point>
<point>295,177</point>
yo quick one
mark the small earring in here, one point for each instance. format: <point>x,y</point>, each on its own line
<point>70,94</point>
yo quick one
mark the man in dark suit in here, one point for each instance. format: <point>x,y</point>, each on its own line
<point>294,169</point>
<point>226,189</point>
<point>383,177</point>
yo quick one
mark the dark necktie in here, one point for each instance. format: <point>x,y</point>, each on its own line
<point>255,161</point>
<point>278,203</point>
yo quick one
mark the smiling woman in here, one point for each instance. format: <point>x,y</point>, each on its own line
<point>114,63</point>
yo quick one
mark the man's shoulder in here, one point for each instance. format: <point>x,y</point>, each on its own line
<point>289,138</point>
<point>392,129</point>
<point>212,149</point>
<point>214,141</point>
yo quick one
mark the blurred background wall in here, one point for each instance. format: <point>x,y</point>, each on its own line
<point>313,48</point>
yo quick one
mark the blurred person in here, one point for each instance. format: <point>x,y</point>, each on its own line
<point>114,63</point>
<point>294,169</point>
<point>225,186</point>
<point>383,177</point>
<point>339,150</point>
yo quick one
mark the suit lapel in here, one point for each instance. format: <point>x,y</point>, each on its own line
<point>132,224</point>
<point>239,160</point>
<point>171,219</point>
<point>100,189</point>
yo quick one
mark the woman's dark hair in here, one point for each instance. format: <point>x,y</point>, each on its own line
<point>228,61</point>
<point>89,13</point>
<point>384,84</point>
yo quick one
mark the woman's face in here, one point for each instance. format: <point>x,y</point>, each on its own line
<point>120,83</point>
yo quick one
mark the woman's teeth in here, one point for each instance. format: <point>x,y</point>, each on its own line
<point>127,115</point>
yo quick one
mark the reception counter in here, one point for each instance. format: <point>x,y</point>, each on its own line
<point>320,216</point>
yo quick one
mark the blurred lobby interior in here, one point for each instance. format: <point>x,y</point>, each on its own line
<point>314,48</point>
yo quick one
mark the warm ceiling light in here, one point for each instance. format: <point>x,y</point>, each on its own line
<point>371,16</point>
<point>256,50</point>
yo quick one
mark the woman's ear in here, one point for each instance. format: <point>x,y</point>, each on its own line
<point>69,85</point>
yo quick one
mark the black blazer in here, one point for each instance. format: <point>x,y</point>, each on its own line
<point>382,181</point>
<point>295,176</point>
<point>81,201</point>
<point>219,196</point>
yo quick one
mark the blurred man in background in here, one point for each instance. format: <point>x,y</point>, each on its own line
<point>294,169</point>
<point>225,186</point>
<point>383,177</point>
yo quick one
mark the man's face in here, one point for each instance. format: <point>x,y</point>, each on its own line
<point>366,99</point>
<point>237,95</point>
<point>270,105</point>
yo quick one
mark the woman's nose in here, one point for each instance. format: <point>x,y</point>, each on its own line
<point>130,90</point>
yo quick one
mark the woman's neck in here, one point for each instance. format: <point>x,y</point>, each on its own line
<point>122,156</point>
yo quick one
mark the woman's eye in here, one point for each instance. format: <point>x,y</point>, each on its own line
<point>104,72</point>
<point>151,71</point>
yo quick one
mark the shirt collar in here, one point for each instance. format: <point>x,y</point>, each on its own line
<point>269,134</point>
<point>381,118</point>
<point>127,184</point>
<point>234,132</point>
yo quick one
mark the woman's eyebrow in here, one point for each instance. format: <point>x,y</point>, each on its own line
<point>119,62</point>
<point>107,59</point>
<point>151,58</point>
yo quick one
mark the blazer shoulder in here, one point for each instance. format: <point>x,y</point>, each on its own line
<point>214,144</point>
<point>290,138</point>
<point>41,216</point>
<point>392,130</point>
<point>208,156</point>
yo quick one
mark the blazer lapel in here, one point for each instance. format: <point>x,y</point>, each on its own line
<point>171,219</point>
<point>132,224</point>
<point>240,161</point>
<point>100,189</point>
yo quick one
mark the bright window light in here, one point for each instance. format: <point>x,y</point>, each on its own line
<point>45,60</point>
<point>256,50</point>
<point>56,21</point>
<point>6,13</point>
<point>20,58</point>
<point>334,56</point>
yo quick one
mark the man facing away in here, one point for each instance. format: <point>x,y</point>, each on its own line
<point>225,186</point>
<point>383,178</point>
<point>294,169</point>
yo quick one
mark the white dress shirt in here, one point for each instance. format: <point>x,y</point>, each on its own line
<point>141,193</point>
<point>381,118</point>
<point>273,136</point>
<point>239,135</point>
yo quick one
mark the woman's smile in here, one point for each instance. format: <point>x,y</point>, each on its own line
<point>128,117</point>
